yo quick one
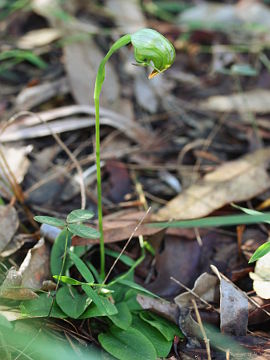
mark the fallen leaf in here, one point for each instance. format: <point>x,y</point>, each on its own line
<point>29,127</point>
<point>38,94</point>
<point>180,259</point>
<point>162,307</point>
<point>9,224</point>
<point>204,286</point>
<point>40,37</point>
<point>128,14</point>
<point>119,226</point>
<point>256,314</point>
<point>233,181</point>
<point>261,277</point>
<point>211,15</point>
<point>254,101</point>
<point>11,287</point>
<point>35,267</point>
<point>15,244</point>
<point>16,158</point>
<point>233,307</point>
<point>85,57</point>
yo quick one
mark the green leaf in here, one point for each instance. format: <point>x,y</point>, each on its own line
<point>135,286</point>
<point>23,55</point>
<point>160,343</point>
<point>82,267</point>
<point>79,216</point>
<point>260,252</point>
<point>94,311</point>
<point>127,344</point>
<point>58,250</point>
<point>40,307</point>
<point>165,327</point>
<point>94,271</point>
<point>123,318</point>
<point>49,220</point>
<point>215,221</point>
<point>131,300</point>
<point>249,211</point>
<point>124,258</point>
<point>83,231</point>
<point>71,302</point>
<point>103,306</point>
<point>4,323</point>
<point>67,280</point>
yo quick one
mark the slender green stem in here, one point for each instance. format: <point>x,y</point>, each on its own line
<point>125,40</point>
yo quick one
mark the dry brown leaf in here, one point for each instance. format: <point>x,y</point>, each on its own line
<point>119,226</point>
<point>256,101</point>
<point>18,164</point>
<point>35,267</point>
<point>29,127</point>
<point>162,307</point>
<point>128,15</point>
<point>204,287</point>
<point>233,307</point>
<point>233,181</point>
<point>82,60</point>
<point>11,287</point>
<point>180,259</point>
<point>36,95</point>
<point>9,223</point>
<point>38,37</point>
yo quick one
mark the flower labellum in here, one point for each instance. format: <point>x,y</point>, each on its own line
<point>152,48</point>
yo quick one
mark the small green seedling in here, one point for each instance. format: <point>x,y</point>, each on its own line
<point>150,49</point>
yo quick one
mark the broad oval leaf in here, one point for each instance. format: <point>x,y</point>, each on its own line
<point>41,307</point>
<point>127,344</point>
<point>161,344</point>
<point>164,326</point>
<point>79,215</point>
<point>71,302</point>
<point>83,231</point>
<point>49,220</point>
<point>123,318</point>
<point>260,252</point>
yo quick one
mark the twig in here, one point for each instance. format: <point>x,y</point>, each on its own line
<point>60,143</point>
<point>124,248</point>
<point>205,339</point>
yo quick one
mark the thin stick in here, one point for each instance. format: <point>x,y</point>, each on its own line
<point>124,248</point>
<point>60,143</point>
<point>205,339</point>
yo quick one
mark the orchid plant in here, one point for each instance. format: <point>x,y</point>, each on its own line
<point>150,49</point>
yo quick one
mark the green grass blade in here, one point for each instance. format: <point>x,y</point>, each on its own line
<point>214,221</point>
